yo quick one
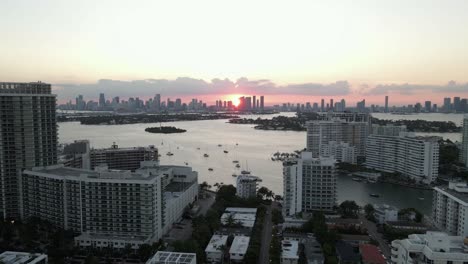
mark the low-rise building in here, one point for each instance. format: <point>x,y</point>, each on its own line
<point>347,253</point>
<point>289,251</point>
<point>432,247</point>
<point>246,186</point>
<point>371,254</point>
<point>238,249</point>
<point>407,226</point>
<point>385,212</point>
<point>215,249</point>
<point>13,257</point>
<point>245,217</point>
<point>343,223</point>
<point>166,257</point>
<point>308,246</point>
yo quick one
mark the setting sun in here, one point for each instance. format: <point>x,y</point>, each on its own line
<point>234,98</point>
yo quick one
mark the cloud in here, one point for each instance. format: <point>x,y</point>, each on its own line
<point>184,86</point>
<point>410,89</point>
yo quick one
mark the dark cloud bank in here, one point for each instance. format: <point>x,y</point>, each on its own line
<point>184,86</point>
<point>189,86</point>
<point>409,89</point>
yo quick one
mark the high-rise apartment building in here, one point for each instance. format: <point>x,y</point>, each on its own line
<point>110,208</point>
<point>386,104</point>
<point>262,102</point>
<point>450,208</point>
<point>28,137</point>
<point>464,147</point>
<point>412,156</point>
<point>361,106</point>
<point>387,130</point>
<point>428,106</point>
<point>447,104</point>
<point>309,184</point>
<point>79,155</point>
<point>246,186</point>
<point>254,102</point>
<point>321,132</point>
<point>248,103</point>
<point>102,100</point>
<point>340,151</point>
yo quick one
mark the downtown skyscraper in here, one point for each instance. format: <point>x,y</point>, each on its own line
<point>28,137</point>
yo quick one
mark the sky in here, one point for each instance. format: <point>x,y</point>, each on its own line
<point>287,50</point>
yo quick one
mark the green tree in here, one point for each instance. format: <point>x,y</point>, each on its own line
<point>349,209</point>
<point>145,251</point>
<point>277,216</point>
<point>369,211</point>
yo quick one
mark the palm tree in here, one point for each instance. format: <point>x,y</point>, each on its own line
<point>230,221</point>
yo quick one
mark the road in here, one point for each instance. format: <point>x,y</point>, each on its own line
<point>372,230</point>
<point>264,256</point>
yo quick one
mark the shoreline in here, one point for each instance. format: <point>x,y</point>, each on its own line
<point>407,185</point>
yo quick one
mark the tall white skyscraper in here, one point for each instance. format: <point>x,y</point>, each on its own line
<point>450,208</point>
<point>309,184</point>
<point>386,104</point>
<point>321,132</point>
<point>412,156</point>
<point>464,148</point>
<point>28,137</point>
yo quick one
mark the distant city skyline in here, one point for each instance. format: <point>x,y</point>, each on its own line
<point>384,100</point>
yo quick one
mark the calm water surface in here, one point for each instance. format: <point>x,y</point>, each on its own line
<point>253,151</point>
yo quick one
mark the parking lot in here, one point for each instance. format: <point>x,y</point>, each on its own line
<point>182,230</point>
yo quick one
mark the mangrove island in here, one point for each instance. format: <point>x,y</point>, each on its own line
<point>165,130</point>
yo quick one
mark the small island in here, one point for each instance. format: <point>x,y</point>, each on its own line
<point>165,130</point>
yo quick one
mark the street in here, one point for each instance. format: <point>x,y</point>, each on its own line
<point>264,256</point>
<point>372,230</point>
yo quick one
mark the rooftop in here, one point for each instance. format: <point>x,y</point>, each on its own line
<point>438,242</point>
<point>216,242</point>
<point>239,245</point>
<point>172,257</point>
<point>313,250</point>
<point>242,210</point>
<point>346,252</point>
<point>371,254</point>
<point>247,220</point>
<point>248,178</point>
<point>290,249</point>
<point>12,257</point>
<point>456,190</point>
<point>115,148</point>
<point>143,174</point>
<point>384,207</point>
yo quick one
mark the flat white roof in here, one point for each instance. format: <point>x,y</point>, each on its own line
<point>239,245</point>
<point>215,243</point>
<point>247,220</point>
<point>290,249</point>
<point>13,257</point>
<point>172,257</point>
